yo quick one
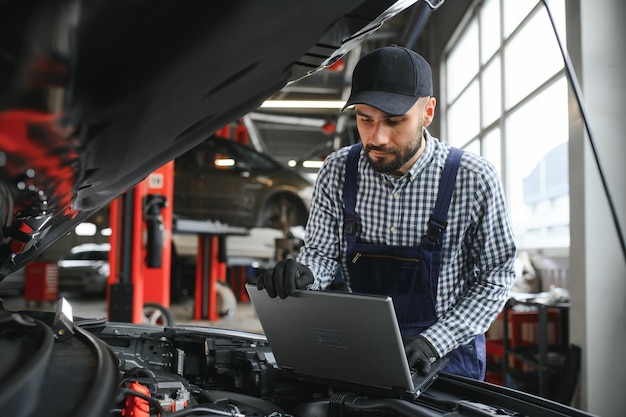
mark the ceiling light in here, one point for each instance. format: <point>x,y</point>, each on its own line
<point>224,162</point>
<point>312,164</point>
<point>85,229</point>
<point>303,104</point>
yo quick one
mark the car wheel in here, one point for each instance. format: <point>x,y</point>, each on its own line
<point>157,314</point>
<point>283,212</point>
<point>226,300</point>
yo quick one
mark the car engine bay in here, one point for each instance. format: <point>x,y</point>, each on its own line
<point>55,365</point>
<point>221,372</point>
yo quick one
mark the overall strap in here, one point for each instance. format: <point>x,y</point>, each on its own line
<point>349,190</point>
<point>439,219</point>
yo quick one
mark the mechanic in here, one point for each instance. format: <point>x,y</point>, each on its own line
<point>406,215</point>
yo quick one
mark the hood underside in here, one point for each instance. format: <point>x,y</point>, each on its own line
<point>97,94</point>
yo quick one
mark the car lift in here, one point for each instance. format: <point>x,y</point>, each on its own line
<point>140,257</point>
<point>142,224</point>
<point>210,262</point>
<point>210,255</point>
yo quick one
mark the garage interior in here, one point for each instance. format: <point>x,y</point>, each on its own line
<point>579,285</point>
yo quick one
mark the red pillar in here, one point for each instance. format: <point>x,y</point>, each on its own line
<point>208,270</point>
<point>136,280</point>
<point>157,280</point>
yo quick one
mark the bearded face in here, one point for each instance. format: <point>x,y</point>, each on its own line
<point>396,157</point>
<point>393,143</point>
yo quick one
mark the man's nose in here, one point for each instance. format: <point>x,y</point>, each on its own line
<point>379,134</point>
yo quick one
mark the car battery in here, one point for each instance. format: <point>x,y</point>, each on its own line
<point>41,282</point>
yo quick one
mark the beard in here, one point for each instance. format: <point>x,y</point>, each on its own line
<point>400,155</point>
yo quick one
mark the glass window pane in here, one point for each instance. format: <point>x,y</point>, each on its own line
<point>492,149</point>
<point>514,12</point>
<point>473,146</point>
<point>462,64</point>
<point>491,92</point>
<point>531,58</point>
<point>463,118</point>
<point>489,29</point>
<point>537,169</point>
<point>557,7</point>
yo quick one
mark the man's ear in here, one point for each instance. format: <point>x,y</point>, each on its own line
<point>429,111</point>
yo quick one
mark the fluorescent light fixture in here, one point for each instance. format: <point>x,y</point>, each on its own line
<point>312,164</point>
<point>224,162</point>
<point>86,229</point>
<point>106,231</point>
<point>303,104</point>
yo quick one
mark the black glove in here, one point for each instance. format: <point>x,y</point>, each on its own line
<point>285,278</point>
<point>420,353</point>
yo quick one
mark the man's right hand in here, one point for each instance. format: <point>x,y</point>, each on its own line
<point>285,278</point>
<point>420,353</point>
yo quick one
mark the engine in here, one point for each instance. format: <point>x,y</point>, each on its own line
<point>209,372</point>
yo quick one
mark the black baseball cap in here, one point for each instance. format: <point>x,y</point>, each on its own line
<point>391,79</point>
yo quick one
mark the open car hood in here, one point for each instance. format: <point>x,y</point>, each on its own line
<point>97,94</point>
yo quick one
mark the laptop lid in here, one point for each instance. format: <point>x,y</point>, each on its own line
<point>348,338</point>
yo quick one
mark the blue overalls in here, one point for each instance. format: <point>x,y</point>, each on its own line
<point>409,274</point>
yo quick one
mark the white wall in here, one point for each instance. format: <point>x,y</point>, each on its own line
<point>597,264</point>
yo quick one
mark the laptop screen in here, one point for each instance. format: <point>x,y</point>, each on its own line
<point>335,336</point>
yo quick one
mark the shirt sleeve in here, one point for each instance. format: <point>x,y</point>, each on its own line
<point>321,251</point>
<point>488,271</point>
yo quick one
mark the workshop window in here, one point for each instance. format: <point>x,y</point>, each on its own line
<point>504,96</point>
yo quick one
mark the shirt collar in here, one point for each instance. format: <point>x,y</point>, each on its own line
<point>425,158</point>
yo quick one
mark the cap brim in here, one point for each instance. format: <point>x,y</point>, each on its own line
<point>390,103</point>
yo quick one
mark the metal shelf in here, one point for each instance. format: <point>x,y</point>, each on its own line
<point>537,355</point>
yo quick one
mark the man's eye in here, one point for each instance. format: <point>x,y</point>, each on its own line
<point>366,121</point>
<point>393,122</point>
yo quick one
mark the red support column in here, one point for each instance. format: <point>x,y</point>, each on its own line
<point>241,134</point>
<point>238,278</point>
<point>157,280</point>
<point>124,290</point>
<point>114,239</point>
<point>208,269</point>
<point>136,277</point>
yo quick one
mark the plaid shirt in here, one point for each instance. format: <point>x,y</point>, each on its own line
<point>478,246</point>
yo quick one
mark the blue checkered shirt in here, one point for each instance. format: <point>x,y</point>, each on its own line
<point>478,247</point>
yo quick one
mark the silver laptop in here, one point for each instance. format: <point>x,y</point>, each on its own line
<point>348,340</point>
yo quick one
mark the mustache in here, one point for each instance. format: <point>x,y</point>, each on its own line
<point>369,148</point>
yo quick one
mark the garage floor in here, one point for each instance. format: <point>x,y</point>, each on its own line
<point>244,318</point>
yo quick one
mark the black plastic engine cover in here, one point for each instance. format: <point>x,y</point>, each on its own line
<point>42,376</point>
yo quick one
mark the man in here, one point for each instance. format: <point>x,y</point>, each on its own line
<point>405,215</point>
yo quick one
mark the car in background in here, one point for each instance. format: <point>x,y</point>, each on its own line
<point>85,269</point>
<point>225,181</point>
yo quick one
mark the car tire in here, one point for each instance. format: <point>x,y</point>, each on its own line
<point>283,212</point>
<point>157,314</point>
<point>226,300</point>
